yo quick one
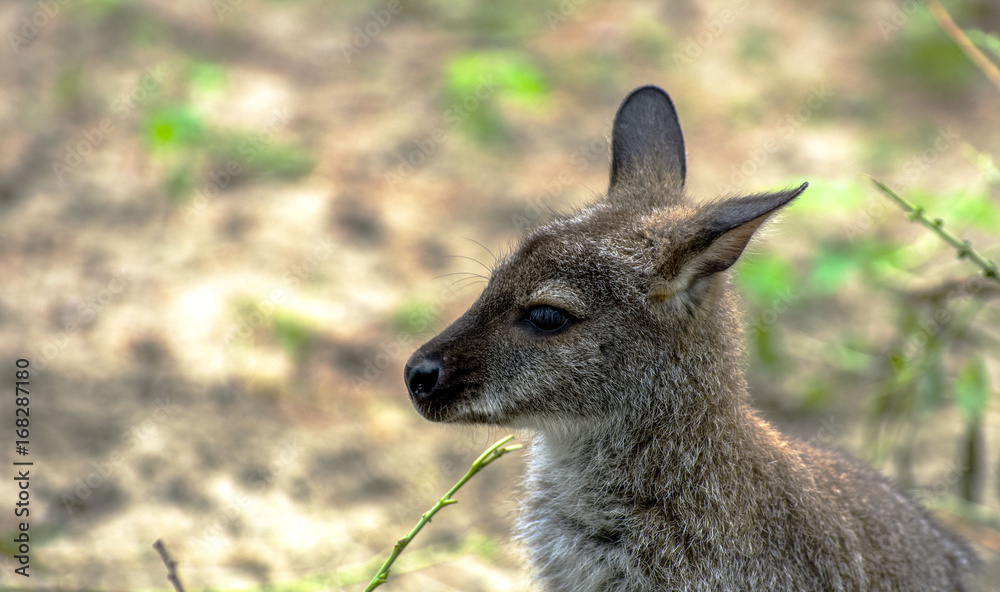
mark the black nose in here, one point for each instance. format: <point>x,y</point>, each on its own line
<point>422,377</point>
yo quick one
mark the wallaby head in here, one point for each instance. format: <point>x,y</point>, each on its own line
<point>612,335</point>
<point>588,306</point>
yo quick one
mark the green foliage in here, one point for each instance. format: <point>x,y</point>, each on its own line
<point>767,347</point>
<point>831,267</point>
<point>816,394</point>
<point>477,82</point>
<point>936,225</point>
<point>173,127</point>
<point>196,153</point>
<point>834,263</point>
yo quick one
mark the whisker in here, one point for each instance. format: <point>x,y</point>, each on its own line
<point>469,273</point>
<point>486,267</point>
<point>495,260</point>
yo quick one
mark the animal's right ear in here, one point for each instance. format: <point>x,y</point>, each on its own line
<point>715,238</point>
<point>647,146</point>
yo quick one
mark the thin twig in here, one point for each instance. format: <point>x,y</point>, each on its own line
<point>958,36</point>
<point>954,288</point>
<point>492,453</point>
<point>171,565</point>
<point>964,247</point>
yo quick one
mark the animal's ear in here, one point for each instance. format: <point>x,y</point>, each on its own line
<point>713,240</point>
<point>727,226</point>
<point>647,147</point>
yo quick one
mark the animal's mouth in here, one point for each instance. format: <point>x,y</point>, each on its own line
<point>441,405</point>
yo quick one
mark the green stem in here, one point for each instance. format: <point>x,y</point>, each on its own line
<point>492,453</point>
<point>964,247</point>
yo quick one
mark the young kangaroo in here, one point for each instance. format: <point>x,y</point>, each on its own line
<point>612,335</point>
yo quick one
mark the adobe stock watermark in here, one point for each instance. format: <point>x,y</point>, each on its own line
<point>942,485</point>
<point>781,302</point>
<point>86,313</point>
<point>225,7</point>
<point>897,18</point>
<point>419,495</point>
<point>912,170</point>
<point>930,325</point>
<point>400,348</point>
<point>105,469</point>
<point>28,27</point>
<point>454,116</point>
<point>538,206</point>
<point>786,128</point>
<point>828,433</point>
<point>364,34</point>
<point>595,149</point>
<point>709,31</point>
<point>91,139</point>
<point>266,307</point>
<point>248,150</point>
<point>563,12</point>
<point>218,525</point>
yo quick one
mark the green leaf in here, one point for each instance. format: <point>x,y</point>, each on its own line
<point>510,74</point>
<point>476,82</point>
<point>972,389</point>
<point>173,127</point>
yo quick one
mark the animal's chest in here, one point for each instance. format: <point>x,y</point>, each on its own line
<point>577,537</point>
<point>575,553</point>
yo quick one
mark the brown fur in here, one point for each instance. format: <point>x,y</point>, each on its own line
<point>649,470</point>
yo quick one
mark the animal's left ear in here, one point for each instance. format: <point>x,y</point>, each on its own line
<point>647,146</point>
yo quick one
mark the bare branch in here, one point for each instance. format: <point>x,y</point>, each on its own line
<point>171,565</point>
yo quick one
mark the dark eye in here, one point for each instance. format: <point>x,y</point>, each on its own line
<point>547,318</point>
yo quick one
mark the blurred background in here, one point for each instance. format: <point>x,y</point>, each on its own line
<point>226,224</point>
